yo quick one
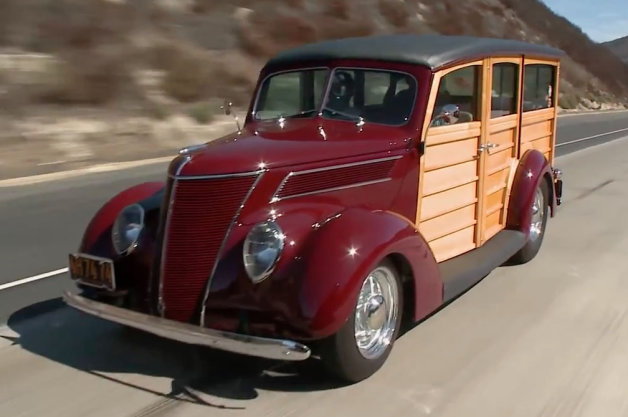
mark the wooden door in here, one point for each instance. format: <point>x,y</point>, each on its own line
<point>448,210</point>
<point>540,107</point>
<point>499,143</point>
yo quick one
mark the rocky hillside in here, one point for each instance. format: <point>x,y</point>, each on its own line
<point>619,47</point>
<point>163,56</point>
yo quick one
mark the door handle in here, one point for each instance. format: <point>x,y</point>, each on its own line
<point>487,147</point>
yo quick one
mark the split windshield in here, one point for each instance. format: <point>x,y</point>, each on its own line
<point>375,96</point>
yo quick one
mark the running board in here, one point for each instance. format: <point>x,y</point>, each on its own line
<point>464,271</point>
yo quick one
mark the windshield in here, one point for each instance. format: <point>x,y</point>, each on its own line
<point>384,97</point>
<point>373,96</point>
<point>291,94</point>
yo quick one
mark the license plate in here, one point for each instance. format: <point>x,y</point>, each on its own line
<point>92,270</point>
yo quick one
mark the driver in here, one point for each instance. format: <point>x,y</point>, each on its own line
<point>342,90</point>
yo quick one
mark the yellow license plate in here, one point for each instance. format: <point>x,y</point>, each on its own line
<point>92,270</point>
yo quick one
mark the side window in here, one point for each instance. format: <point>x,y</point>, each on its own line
<point>504,90</point>
<point>538,88</point>
<point>375,87</point>
<point>459,96</point>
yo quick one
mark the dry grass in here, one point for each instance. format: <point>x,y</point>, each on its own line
<point>192,74</point>
<point>98,43</point>
<point>91,77</point>
<point>395,12</point>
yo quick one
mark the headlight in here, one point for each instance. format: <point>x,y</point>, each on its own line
<point>127,227</point>
<point>261,251</point>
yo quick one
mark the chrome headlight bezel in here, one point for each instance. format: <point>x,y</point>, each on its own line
<point>130,216</point>
<point>263,236</point>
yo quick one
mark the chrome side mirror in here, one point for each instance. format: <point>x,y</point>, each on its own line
<point>227,108</point>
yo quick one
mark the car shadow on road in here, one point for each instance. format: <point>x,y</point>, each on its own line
<point>102,348</point>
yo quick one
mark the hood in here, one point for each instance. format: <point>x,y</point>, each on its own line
<point>298,141</point>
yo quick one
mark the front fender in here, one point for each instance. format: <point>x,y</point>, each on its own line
<point>340,254</point>
<point>96,236</point>
<point>531,170</point>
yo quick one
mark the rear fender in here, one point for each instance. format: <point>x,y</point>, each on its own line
<point>531,170</point>
<point>340,254</point>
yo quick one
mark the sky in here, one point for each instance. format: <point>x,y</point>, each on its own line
<point>602,20</point>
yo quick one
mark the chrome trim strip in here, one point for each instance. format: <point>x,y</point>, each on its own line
<point>275,197</point>
<point>215,176</point>
<point>328,190</point>
<point>260,174</point>
<point>160,299</point>
<point>279,349</point>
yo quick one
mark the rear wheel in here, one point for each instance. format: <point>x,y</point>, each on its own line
<point>364,342</point>
<point>538,222</point>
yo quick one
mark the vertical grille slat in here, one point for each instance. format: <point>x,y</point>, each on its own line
<point>201,213</point>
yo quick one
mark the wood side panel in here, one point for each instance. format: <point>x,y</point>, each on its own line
<point>454,244</point>
<point>448,223</point>
<point>496,181</point>
<point>485,88</point>
<point>449,177</point>
<point>495,201</point>
<point>542,145</point>
<point>493,225</point>
<point>552,151</point>
<point>451,153</point>
<point>535,116</point>
<point>500,124</point>
<point>423,138</point>
<point>447,201</point>
<point>512,169</point>
<point>497,161</point>
<point>504,140</point>
<point>537,130</point>
<point>444,134</point>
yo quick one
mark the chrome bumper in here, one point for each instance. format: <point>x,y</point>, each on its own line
<point>558,185</point>
<point>188,333</point>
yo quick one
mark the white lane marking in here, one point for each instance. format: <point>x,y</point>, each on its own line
<point>590,112</point>
<point>558,145</point>
<point>33,278</point>
<point>113,166</point>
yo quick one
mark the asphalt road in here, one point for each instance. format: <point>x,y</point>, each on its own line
<point>547,318</point>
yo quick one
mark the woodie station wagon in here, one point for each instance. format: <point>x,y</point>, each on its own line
<point>373,180</point>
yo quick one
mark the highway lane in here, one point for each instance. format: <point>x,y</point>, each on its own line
<point>543,339</point>
<point>42,222</point>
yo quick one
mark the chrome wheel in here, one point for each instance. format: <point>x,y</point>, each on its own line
<point>538,211</point>
<point>376,312</point>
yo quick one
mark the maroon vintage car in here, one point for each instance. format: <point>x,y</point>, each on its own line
<point>373,180</point>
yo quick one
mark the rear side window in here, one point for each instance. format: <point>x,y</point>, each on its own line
<point>538,88</point>
<point>504,89</point>
<point>459,97</point>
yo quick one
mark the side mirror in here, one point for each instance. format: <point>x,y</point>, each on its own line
<point>227,108</point>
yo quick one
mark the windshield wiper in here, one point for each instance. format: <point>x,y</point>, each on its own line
<point>304,113</point>
<point>350,116</point>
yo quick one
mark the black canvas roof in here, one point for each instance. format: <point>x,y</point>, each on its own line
<point>433,51</point>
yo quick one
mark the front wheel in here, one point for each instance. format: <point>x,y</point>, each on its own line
<point>538,222</point>
<point>364,342</point>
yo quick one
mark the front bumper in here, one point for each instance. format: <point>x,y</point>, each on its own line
<point>188,333</point>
